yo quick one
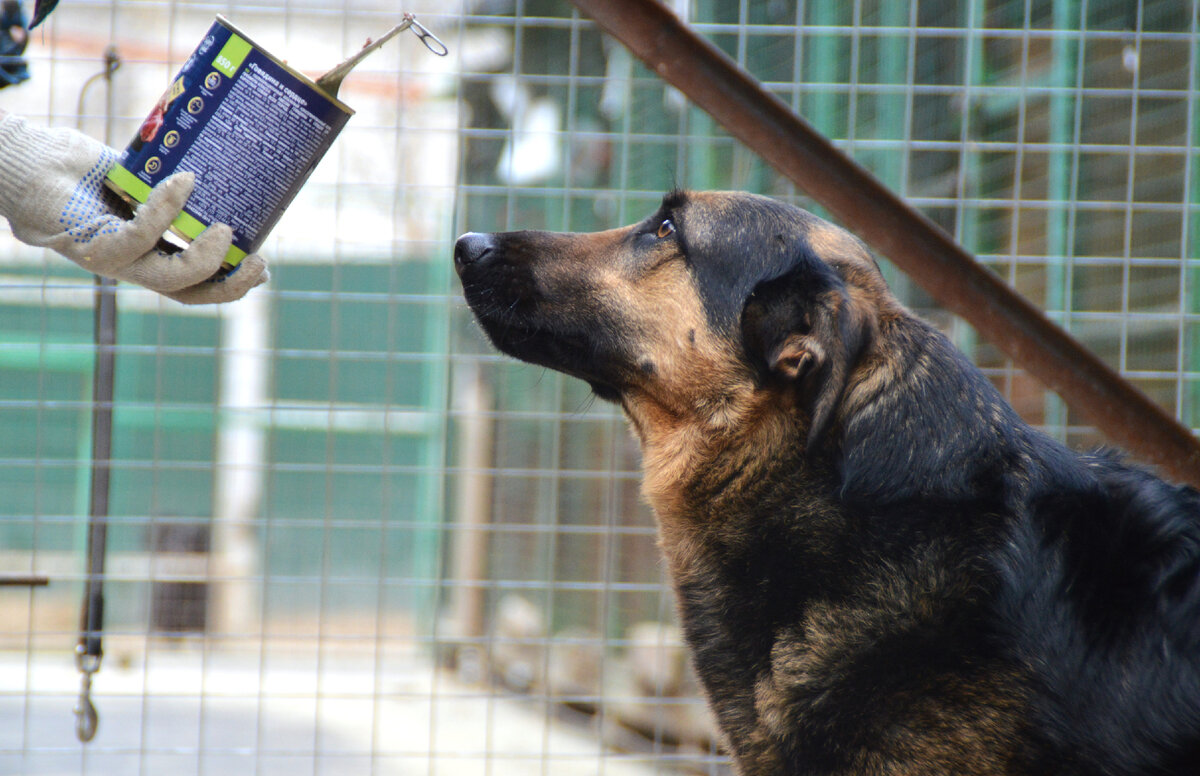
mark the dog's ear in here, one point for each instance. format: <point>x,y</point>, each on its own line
<point>801,329</point>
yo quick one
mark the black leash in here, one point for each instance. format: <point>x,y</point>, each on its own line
<point>90,649</point>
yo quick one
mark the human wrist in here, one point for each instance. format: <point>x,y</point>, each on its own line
<point>22,150</point>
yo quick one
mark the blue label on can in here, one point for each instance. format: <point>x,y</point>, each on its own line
<point>250,129</point>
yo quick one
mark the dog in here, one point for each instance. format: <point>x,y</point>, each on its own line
<point>878,567</point>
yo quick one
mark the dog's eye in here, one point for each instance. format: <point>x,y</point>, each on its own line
<point>666,228</point>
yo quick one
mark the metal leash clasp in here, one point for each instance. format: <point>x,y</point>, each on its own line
<point>86,718</point>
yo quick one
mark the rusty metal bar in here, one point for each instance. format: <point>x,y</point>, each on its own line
<point>24,580</point>
<point>950,274</point>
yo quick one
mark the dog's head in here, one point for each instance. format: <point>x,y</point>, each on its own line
<point>684,317</point>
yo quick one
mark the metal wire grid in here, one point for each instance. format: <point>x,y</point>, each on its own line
<point>450,569</point>
<point>1053,139</point>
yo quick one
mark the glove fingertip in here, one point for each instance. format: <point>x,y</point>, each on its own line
<point>210,246</point>
<point>184,180</point>
<point>250,273</point>
<point>253,267</point>
<point>170,195</point>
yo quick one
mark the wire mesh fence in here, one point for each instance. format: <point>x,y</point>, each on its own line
<point>345,535</point>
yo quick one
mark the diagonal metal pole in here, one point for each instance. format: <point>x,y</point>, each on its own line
<point>766,125</point>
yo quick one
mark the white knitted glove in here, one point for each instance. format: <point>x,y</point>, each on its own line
<point>51,183</point>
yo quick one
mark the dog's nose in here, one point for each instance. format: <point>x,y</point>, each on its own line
<point>472,248</point>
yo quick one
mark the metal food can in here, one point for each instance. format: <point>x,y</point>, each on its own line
<point>251,128</point>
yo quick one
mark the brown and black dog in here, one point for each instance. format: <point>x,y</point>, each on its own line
<point>880,569</point>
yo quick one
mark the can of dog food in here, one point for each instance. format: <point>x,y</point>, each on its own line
<point>251,128</point>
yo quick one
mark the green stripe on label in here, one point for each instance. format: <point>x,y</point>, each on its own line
<point>129,183</point>
<point>188,225</point>
<point>231,55</point>
<point>234,256</point>
<point>191,227</point>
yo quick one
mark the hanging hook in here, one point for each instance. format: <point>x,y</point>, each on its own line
<point>86,717</point>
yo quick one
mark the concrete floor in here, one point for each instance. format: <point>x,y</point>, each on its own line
<point>186,713</point>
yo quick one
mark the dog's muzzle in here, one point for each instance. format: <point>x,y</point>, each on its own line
<point>473,248</point>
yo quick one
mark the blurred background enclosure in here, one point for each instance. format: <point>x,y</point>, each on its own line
<point>347,537</point>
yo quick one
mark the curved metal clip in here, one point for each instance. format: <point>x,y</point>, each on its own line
<point>430,40</point>
<point>86,717</point>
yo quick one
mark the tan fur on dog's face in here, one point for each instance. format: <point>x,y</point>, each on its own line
<point>655,315</point>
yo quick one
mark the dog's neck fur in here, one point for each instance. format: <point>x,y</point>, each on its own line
<point>710,476</point>
<point>743,506</point>
<point>722,445</point>
<point>738,451</point>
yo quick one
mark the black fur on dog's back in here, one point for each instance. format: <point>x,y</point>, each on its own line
<point>880,568</point>
<point>1102,595</point>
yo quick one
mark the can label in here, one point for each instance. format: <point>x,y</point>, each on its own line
<point>250,128</point>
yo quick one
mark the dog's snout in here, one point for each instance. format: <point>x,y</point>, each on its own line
<point>473,248</point>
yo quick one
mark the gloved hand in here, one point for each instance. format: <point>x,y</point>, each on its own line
<point>51,183</point>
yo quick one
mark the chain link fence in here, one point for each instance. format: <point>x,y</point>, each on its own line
<point>345,536</point>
